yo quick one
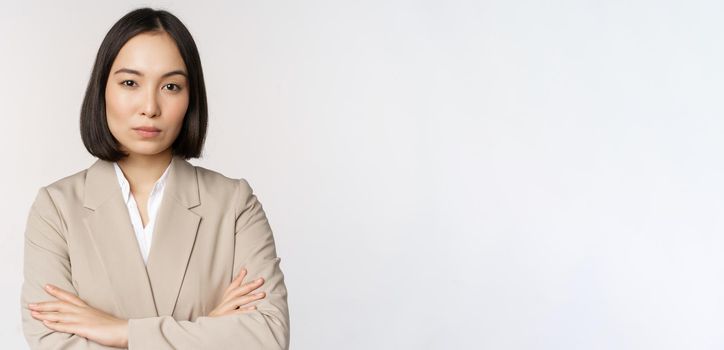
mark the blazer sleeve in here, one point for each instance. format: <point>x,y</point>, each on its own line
<point>267,327</point>
<point>46,260</point>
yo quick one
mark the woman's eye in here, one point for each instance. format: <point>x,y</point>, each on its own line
<point>175,87</point>
<point>128,81</point>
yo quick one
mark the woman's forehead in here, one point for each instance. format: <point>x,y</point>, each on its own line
<point>150,54</point>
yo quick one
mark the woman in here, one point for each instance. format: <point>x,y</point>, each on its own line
<point>142,249</point>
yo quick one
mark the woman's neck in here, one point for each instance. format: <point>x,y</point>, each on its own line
<point>142,171</point>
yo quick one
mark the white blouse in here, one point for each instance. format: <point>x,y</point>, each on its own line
<point>144,235</point>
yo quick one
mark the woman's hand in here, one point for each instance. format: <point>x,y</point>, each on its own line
<point>70,314</point>
<point>237,296</point>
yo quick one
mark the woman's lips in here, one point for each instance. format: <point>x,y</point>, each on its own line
<point>147,132</point>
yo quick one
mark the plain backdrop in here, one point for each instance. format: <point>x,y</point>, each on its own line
<point>438,174</point>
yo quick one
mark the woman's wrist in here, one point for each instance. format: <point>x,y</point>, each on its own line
<point>122,340</point>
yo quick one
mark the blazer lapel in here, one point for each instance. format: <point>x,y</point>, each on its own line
<point>174,235</point>
<point>151,289</point>
<point>112,234</point>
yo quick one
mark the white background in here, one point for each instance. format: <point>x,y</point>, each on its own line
<point>438,174</point>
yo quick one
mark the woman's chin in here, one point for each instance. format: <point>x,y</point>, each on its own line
<point>144,151</point>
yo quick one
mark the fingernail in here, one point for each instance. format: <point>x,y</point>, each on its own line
<point>48,287</point>
<point>32,305</point>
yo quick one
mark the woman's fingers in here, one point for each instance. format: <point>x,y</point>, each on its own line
<point>234,284</point>
<point>237,281</point>
<point>49,306</point>
<point>233,295</point>
<point>241,301</point>
<point>48,316</point>
<point>242,290</point>
<point>54,311</point>
<point>64,295</point>
<point>233,304</point>
<point>55,316</point>
<point>247,288</point>
<point>243,310</point>
<point>229,303</point>
<point>235,312</point>
<point>60,327</point>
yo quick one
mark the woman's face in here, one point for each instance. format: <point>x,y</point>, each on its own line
<point>147,88</point>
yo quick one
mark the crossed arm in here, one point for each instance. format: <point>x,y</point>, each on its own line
<point>69,323</point>
<point>70,314</point>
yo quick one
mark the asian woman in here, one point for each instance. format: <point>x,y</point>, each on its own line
<point>143,250</point>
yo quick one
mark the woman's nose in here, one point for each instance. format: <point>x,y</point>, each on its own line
<point>150,106</point>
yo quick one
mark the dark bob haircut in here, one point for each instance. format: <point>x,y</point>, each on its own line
<point>94,130</point>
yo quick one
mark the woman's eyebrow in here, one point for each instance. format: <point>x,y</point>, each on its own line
<point>133,71</point>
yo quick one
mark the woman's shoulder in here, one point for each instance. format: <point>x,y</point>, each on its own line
<point>65,191</point>
<point>213,177</point>
<point>214,181</point>
<point>67,186</point>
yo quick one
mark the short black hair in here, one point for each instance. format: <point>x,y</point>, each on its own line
<point>94,130</point>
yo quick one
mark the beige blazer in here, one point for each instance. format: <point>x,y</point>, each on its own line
<point>79,237</point>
